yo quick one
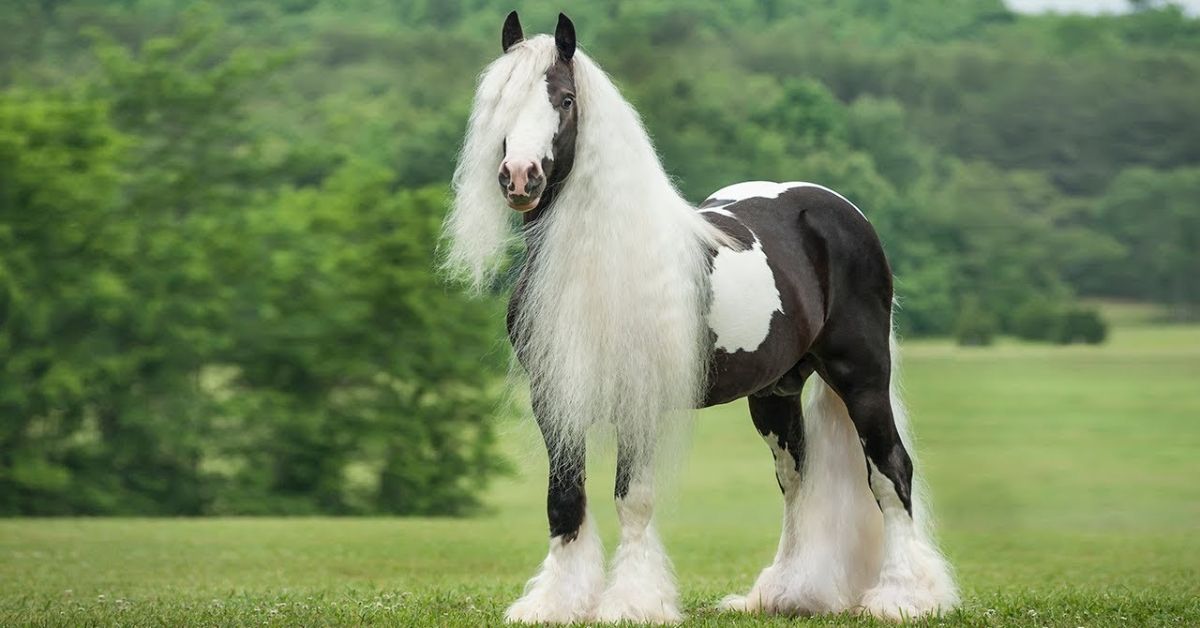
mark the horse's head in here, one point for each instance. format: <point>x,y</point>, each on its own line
<point>539,149</point>
<point>535,109</point>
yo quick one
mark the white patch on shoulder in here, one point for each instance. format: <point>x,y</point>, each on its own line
<point>744,297</point>
<point>766,189</point>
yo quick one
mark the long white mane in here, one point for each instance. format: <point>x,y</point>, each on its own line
<point>611,326</point>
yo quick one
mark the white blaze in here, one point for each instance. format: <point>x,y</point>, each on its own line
<point>532,135</point>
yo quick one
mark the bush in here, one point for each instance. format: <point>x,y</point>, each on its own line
<point>976,327</point>
<point>1050,322</point>
<point>1038,320</point>
<point>1082,325</point>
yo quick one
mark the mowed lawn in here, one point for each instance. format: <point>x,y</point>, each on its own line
<point>1067,481</point>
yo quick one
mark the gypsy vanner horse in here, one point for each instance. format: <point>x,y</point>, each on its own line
<point>633,308</point>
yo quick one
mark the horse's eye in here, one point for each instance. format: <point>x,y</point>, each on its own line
<point>567,102</point>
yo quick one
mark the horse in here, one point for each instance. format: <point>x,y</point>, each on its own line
<point>634,308</point>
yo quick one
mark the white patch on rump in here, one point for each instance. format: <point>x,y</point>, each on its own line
<point>767,189</point>
<point>751,189</point>
<point>744,298</point>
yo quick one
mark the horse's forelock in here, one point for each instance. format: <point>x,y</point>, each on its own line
<point>478,226</point>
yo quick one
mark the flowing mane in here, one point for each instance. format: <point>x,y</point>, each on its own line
<point>611,323</point>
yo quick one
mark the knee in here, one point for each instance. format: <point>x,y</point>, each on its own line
<point>636,507</point>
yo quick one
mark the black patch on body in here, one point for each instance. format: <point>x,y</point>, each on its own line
<point>796,231</point>
<point>835,286</point>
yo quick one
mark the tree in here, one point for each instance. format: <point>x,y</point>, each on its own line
<point>1155,215</point>
<point>185,333</point>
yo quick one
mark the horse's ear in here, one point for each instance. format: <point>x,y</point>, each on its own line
<point>512,31</point>
<point>564,37</point>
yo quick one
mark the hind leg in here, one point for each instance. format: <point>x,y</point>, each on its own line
<point>780,422</point>
<point>641,583</point>
<point>914,579</point>
<point>828,518</point>
<point>567,586</point>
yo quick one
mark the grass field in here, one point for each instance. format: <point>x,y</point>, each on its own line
<point>1066,480</point>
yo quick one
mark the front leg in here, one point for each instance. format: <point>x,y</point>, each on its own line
<point>642,585</point>
<point>568,585</point>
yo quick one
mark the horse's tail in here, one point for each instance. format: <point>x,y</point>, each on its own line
<point>932,563</point>
<point>920,491</point>
<point>841,529</point>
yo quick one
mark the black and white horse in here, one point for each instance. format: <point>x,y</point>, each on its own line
<point>633,308</point>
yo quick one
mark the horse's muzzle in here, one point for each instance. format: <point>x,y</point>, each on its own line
<point>522,183</point>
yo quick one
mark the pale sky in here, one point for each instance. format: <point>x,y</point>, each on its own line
<point>1191,7</point>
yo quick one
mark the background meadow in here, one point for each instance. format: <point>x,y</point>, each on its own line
<point>1063,479</point>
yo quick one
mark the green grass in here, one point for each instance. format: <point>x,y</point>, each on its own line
<point>1067,482</point>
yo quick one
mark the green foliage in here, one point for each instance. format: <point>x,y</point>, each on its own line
<point>218,220</point>
<point>187,331</point>
<point>1155,215</point>
<point>1082,325</point>
<point>349,360</point>
<point>1038,321</point>
<point>975,327</point>
<point>1053,322</point>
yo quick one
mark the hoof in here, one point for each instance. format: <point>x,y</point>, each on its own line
<point>650,613</point>
<point>533,609</point>
<point>734,603</point>
<point>568,585</point>
<point>787,590</point>
<point>643,600</point>
<point>898,604</point>
<point>642,587</point>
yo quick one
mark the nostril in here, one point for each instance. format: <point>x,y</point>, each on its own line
<point>533,178</point>
<point>505,177</point>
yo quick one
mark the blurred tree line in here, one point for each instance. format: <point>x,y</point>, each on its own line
<point>218,221</point>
